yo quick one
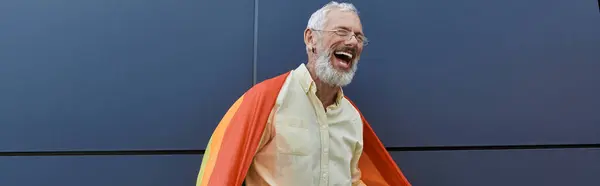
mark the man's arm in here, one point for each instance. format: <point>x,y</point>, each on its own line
<point>356,173</point>
<point>268,133</point>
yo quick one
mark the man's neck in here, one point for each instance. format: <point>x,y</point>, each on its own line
<point>326,93</point>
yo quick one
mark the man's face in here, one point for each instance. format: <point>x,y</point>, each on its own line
<point>338,51</point>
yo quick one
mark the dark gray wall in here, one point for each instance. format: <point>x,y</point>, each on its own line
<point>148,170</point>
<point>77,77</point>
<point>465,72</point>
<point>108,75</point>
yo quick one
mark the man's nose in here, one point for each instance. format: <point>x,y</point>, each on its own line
<point>352,41</point>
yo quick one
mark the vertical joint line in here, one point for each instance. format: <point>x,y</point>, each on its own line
<point>255,56</point>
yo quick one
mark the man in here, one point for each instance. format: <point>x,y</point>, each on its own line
<point>298,128</point>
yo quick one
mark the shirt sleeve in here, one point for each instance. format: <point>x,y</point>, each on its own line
<point>356,173</point>
<point>267,135</point>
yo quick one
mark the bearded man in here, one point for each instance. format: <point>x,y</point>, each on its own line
<point>299,128</point>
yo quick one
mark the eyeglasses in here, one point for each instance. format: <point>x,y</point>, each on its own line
<point>346,34</point>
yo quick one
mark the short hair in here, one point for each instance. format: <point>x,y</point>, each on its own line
<point>319,18</point>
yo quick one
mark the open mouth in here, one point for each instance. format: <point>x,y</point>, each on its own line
<point>344,57</point>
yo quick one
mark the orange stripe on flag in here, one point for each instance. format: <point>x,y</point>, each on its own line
<point>214,145</point>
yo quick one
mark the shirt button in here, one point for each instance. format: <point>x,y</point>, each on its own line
<point>326,150</point>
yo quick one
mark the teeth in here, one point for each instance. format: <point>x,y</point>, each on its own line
<point>344,53</point>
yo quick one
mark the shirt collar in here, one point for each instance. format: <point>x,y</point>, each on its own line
<point>308,84</point>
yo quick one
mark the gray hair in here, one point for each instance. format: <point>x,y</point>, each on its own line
<point>319,18</point>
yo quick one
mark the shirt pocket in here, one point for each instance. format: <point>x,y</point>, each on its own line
<point>292,136</point>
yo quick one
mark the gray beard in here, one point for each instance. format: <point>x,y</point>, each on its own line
<point>331,76</point>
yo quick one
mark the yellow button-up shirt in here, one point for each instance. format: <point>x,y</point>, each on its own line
<point>305,145</point>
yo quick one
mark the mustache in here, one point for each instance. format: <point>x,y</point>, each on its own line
<point>349,49</point>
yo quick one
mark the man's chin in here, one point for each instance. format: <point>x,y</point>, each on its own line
<point>339,79</point>
<point>332,74</point>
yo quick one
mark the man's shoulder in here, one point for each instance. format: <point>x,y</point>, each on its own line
<point>351,105</point>
<point>349,102</point>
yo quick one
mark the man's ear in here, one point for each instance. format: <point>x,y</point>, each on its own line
<point>308,38</point>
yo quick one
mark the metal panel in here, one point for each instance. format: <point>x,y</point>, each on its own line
<point>136,74</point>
<point>462,72</point>
<point>151,170</point>
<point>552,167</point>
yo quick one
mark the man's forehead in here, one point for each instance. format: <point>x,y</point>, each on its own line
<point>343,19</point>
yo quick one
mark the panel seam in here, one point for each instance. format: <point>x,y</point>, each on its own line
<point>390,149</point>
<point>255,47</point>
<point>496,147</point>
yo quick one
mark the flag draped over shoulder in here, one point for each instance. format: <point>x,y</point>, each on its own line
<point>234,142</point>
